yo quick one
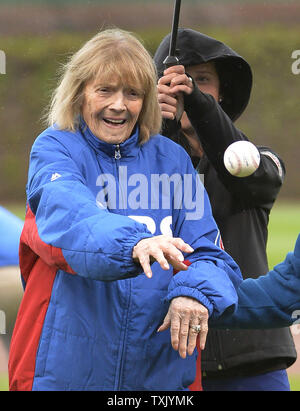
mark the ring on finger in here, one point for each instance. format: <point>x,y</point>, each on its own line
<point>196,328</point>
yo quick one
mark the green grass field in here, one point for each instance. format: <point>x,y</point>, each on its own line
<point>294,382</point>
<point>3,383</point>
<point>284,228</point>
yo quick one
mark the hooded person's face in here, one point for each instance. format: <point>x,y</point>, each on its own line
<point>207,80</point>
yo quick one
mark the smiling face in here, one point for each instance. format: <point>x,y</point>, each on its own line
<point>111,109</point>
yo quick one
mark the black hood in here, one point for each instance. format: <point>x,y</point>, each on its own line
<point>234,72</point>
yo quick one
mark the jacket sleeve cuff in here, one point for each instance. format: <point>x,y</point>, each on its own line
<point>198,102</point>
<point>183,291</point>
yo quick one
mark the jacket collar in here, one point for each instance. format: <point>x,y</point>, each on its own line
<point>128,149</point>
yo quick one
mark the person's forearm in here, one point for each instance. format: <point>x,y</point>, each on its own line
<point>216,132</point>
<point>214,128</point>
<point>270,301</point>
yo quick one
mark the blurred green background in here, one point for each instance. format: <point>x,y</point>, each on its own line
<point>37,36</point>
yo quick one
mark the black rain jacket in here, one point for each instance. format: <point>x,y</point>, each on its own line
<point>241,206</point>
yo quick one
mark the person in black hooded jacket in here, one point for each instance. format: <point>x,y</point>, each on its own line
<point>200,99</point>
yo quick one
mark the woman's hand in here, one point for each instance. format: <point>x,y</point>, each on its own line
<point>170,91</point>
<point>163,249</point>
<point>185,313</point>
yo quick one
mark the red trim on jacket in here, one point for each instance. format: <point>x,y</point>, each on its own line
<point>197,384</point>
<point>39,263</point>
<point>186,262</point>
<point>32,247</point>
<point>28,326</point>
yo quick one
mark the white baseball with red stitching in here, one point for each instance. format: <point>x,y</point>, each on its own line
<point>241,158</point>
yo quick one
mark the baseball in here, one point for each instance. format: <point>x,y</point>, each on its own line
<point>241,158</point>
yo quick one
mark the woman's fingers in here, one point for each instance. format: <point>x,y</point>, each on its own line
<point>175,83</point>
<point>171,88</point>
<point>163,249</point>
<point>166,323</point>
<point>188,320</point>
<point>144,261</point>
<point>204,331</point>
<point>178,265</point>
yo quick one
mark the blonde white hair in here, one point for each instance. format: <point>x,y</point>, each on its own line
<point>112,52</point>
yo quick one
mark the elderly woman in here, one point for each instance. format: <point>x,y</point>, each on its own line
<point>111,217</point>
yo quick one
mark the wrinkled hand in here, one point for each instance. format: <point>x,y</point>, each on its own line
<point>163,249</point>
<point>170,91</point>
<point>184,312</point>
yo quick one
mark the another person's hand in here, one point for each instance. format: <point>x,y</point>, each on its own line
<point>184,314</point>
<point>163,249</point>
<point>170,88</point>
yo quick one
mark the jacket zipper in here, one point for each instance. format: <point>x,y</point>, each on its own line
<point>117,152</point>
<point>127,284</point>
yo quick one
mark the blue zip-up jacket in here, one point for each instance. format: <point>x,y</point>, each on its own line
<point>270,301</point>
<point>89,316</point>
